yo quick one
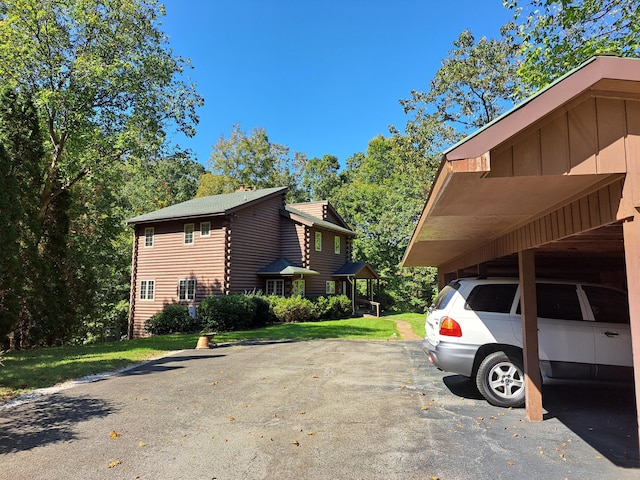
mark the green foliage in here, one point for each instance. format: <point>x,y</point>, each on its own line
<point>292,309</point>
<point>228,313</point>
<point>333,307</point>
<point>559,35</point>
<point>317,177</point>
<point>174,318</point>
<point>475,83</point>
<point>249,160</point>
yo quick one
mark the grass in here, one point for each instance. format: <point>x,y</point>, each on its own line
<point>416,320</point>
<point>27,370</point>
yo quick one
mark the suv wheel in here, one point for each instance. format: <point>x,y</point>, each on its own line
<point>500,380</point>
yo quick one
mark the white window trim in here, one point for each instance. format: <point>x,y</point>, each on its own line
<point>148,230</point>
<point>184,296</point>
<point>189,226</point>
<point>330,287</point>
<point>296,286</point>
<point>337,244</point>
<point>274,289</point>
<point>147,290</point>
<point>208,229</point>
<point>318,241</point>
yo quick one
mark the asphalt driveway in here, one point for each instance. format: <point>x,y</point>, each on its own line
<point>311,410</point>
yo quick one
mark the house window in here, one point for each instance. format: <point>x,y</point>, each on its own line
<point>336,244</point>
<point>331,288</point>
<point>187,289</point>
<point>318,241</point>
<point>298,288</point>
<point>188,233</point>
<point>147,289</point>
<point>275,287</point>
<point>205,229</point>
<point>148,237</point>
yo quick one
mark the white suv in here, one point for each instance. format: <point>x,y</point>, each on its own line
<point>474,329</point>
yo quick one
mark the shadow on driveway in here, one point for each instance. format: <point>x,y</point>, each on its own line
<point>602,416</point>
<point>45,422</point>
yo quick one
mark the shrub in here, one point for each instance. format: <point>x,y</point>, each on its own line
<point>174,318</point>
<point>340,307</point>
<point>263,315</point>
<point>292,309</point>
<point>228,313</point>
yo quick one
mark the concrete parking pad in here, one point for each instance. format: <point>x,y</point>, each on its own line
<point>312,410</point>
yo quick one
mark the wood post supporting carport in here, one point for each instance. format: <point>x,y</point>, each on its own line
<point>632,259</point>
<point>532,379</point>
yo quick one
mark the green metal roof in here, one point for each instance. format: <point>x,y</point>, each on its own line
<point>206,206</point>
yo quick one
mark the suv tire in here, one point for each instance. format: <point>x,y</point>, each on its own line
<point>500,379</point>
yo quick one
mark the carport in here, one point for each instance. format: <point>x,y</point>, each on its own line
<point>549,189</point>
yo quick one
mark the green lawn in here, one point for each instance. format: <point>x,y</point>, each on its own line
<point>415,319</point>
<point>27,370</point>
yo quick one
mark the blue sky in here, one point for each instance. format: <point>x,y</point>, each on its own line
<point>321,76</point>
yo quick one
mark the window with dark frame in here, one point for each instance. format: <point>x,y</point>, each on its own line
<point>148,237</point>
<point>187,289</point>
<point>188,233</point>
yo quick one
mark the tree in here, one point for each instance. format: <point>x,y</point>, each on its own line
<point>21,155</point>
<point>318,177</point>
<point>475,83</point>
<point>381,197</point>
<point>108,91</point>
<point>103,78</point>
<point>248,160</point>
<point>559,35</point>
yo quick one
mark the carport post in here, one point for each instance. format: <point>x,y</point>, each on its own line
<point>532,380</point>
<point>632,258</point>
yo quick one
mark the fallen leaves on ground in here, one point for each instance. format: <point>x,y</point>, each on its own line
<point>114,463</point>
<point>114,434</point>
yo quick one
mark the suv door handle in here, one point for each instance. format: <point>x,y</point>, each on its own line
<point>610,334</point>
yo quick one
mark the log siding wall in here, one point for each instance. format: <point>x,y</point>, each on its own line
<point>169,260</point>
<point>254,243</point>
<point>326,262</point>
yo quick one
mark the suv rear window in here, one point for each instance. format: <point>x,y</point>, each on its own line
<point>445,295</point>
<point>495,297</point>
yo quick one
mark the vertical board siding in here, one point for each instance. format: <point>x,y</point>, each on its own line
<point>254,243</point>
<point>170,260</point>
<point>592,137</point>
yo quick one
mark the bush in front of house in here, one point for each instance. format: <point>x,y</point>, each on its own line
<point>264,314</point>
<point>228,313</point>
<point>174,318</point>
<point>333,307</point>
<point>293,309</point>
<point>339,307</point>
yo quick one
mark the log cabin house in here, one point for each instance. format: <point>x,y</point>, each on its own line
<point>241,242</point>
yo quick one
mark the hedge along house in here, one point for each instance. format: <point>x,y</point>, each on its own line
<point>549,189</point>
<point>236,243</point>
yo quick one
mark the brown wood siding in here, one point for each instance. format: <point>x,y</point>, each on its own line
<point>315,209</point>
<point>170,260</point>
<point>254,243</point>
<point>594,210</point>
<point>325,262</point>
<point>294,247</point>
<point>590,137</point>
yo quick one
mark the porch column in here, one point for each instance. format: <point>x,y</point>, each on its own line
<point>532,379</point>
<point>632,258</point>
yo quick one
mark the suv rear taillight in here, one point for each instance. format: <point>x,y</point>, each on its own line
<point>450,328</point>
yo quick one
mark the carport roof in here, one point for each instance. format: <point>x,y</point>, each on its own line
<point>505,175</point>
